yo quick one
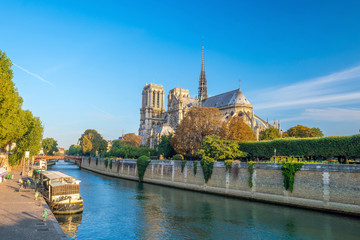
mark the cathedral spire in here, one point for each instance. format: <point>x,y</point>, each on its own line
<point>202,80</point>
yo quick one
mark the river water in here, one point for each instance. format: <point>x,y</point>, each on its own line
<point>121,209</point>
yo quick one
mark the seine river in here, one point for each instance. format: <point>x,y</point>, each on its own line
<point>121,209</point>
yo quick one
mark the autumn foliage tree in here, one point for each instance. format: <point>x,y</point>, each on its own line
<point>300,131</point>
<point>234,128</point>
<point>131,139</point>
<point>198,123</point>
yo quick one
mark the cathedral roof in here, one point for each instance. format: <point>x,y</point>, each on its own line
<point>165,129</point>
<point>226,99</point>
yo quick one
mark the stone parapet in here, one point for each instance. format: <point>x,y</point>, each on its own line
<point>327,187</point>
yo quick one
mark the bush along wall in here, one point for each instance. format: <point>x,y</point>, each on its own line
<point>183,163</point>
<point>178,157</point>
<point>110,163</point>
<point>340,147</point>
<point>207,165</point>
<point>106,161</point>
<point>195,167</point>
<point>142,163</point>
<point>250,165</point>
<point>228,165</point>
<point>288,170</point>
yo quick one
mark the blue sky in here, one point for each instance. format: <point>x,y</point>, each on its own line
<point>83,64</point>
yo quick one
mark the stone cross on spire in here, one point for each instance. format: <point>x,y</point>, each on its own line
<point>239,84</point>
<point>202,80</point>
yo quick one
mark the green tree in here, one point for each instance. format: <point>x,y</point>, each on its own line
<point>198,123</point>
<point>269,134</point>
<point>316,132</point>
<point>92,142</point>
<point>120,149</point>
<point>31,140</point>
<point>49,146</point>
<point>165,147</point>
<point>74,150</point>
<point>215,148</point>
<point>11,127</point>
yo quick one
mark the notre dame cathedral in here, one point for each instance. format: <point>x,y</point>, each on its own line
<point>155,121</point>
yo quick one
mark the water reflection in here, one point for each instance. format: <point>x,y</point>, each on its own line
<point>120,209</point>
<point>69,223</point>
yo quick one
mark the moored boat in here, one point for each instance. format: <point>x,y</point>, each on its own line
<point>62,192</point>
<point>40,166</point>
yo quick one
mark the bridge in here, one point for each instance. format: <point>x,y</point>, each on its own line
<point>75,159</point>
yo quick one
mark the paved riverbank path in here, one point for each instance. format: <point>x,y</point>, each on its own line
<point>21,215</point>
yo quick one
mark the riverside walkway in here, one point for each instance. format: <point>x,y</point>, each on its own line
<point>21,214</point>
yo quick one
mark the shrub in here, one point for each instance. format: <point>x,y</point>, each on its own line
<point>341,147</point>
<point>251,171</point>
<point>106,162</point>
<point>178,157</point>
<point>110,164</point>
<point>213,147</point>
<point>195,167</point>
<point>183,163</point>
<point>142,163</point>
<point>207,165</point>
<point>228,164</point>
<point>288,170</point>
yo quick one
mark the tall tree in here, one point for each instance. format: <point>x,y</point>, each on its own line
<point>49,146</point>
<point>131,139</point>
<point>269,134</point>
<point>74,150</point>
<point>164,147</point>
<point>234,128</point>
<point>31,140</point>
<point>300,131</point>
<point>198,123</point>
<point>11,127</point>
<point>92,142</point>
<point>213,147</point>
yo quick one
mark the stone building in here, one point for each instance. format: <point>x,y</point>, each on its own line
<point>155,122</point>
<point>152,113</point>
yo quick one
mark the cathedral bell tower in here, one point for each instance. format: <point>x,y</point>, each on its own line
<point>202,81</point>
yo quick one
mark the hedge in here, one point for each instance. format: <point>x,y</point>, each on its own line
<point>341,147</point>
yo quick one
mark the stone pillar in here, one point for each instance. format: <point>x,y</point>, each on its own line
<point>326,184</point>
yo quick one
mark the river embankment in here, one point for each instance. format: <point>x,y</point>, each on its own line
<point>325,187</point>
<point>21,214</point>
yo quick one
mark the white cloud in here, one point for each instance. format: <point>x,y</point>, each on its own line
<point>34,75</point>
<point>336,99</point>
<point>328,115</point>
<point>334,89</point>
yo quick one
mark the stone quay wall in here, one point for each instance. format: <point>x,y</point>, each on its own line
<point>327,187</point>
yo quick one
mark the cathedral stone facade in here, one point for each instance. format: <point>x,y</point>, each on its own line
<point>155,121</point>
